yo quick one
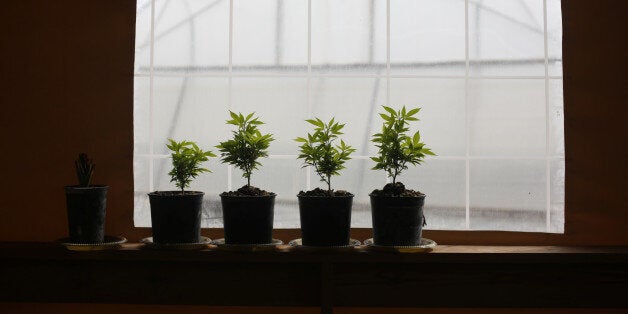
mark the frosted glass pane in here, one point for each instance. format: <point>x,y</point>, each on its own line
<point>499,116</point>
<point>427,37</point>
<point>286,178</point>
<point>190,108</point>
<point>142,36</point>
<point>141,168</point>
<point>555,38</point>
<point>443,182</point>
<point>141,109</point>
<point>508,195</point>
<point>191,36</point>
<point>506,38</point>
<point>280,102</point>
<point>556,118</point>
<point>359,179</point>
<point>270,36</point>
<point>507,117</point>
<point>349,36</point>
<point>212,184</point>
<point>141,214</point>
<point>557,187</point>
<point>354,101</point>
<point>141,186</point>
<point>442,115</point>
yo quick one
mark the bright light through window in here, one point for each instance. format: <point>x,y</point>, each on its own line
<point>487,74</point>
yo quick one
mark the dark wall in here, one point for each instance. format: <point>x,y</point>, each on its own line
<point>67,68</point>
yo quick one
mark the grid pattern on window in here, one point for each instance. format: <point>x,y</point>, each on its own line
<point>487,74</point>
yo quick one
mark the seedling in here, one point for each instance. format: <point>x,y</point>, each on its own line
<point>186,160</point>
<point>247,145</point>
<point>396,148</point>
<point>318,150</point>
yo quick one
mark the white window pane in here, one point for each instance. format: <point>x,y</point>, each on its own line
<point>443,182</point>
<point>506,38</point>
<point>270,36</point>
<point>508,195</point>
<point>507,117</point>
<point>286,178</point>
<point>427,37</point>
<point>502,119</point>
<point>349,36</point>
<point>281,103</point>
<point>141,186</point>
<point>141,114</point>
<point>557,187</point>
<point>142,36</point>
<point>556,118</point>
<point>191,36</point>
<point>442,115</point>
<point>354,101</point>
<point>555,38</point>
<point>190,108</point>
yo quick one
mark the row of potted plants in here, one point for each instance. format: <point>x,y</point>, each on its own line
<point>248,211</point>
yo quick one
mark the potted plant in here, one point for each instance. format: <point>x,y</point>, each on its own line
<point>325,214</point>
<point>176,215</point>
<point>248,212</point>
<point>86,205</point>
<point>397,212</point>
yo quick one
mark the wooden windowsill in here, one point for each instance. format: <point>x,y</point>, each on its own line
<point>283,253</point>
<point>449,276</point>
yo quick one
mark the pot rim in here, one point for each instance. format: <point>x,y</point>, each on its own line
<point>90,187</point>
<point>398,197</point>
<point>187,193</point>
<point>271,194</point>
<point>351,195</point>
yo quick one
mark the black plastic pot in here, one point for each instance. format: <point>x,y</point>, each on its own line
<point>87,208</point>
<point>397,221</point>
<point>325,221</point>
<point>175,217</point>
<point>248,219</point>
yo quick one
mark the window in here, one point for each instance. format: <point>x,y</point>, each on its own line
<point>487,73</point>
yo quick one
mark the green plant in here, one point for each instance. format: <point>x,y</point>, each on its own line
<point>247,145</point>
<point>84,169</point>
<point>186,160</point>
<point>319,152</point>
<point>396,149</point>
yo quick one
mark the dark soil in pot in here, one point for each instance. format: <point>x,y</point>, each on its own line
<point>248,215</point>
<point>397,215</point>
<point>86,207</point>
<point>325,217</point>
<point>176,217</point>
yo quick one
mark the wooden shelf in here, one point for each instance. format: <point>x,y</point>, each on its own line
<point>449,276</point>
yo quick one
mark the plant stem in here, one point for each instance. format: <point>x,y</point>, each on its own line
<point>329,184</point>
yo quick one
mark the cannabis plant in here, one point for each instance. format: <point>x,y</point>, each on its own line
<point>247,145</point>
<point>84,169</point>
<point>396,148</point>
<point>319,152</point>
<point>186,160</point>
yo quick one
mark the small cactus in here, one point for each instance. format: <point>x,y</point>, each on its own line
<point>84,169</point>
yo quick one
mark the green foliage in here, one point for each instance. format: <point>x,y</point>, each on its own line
<point>84,169</point>
<point>247,144</point>
<point>319,152</point>
<point>396,149</point>
<point>186,160</point>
